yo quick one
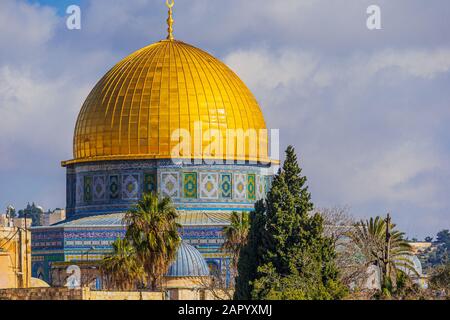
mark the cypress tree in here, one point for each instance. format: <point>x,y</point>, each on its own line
<point>292,258</point>
<point>250,254</point>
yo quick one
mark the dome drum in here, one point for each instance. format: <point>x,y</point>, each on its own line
<point>115,186</point>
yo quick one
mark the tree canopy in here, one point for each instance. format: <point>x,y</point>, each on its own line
<point>287,255</point>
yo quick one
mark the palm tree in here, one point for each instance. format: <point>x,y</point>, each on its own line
<point>153,231</point>
<point>382,246</point>
<point>121,268</point>
<point>236,235</point>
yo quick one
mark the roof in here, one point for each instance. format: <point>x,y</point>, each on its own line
<point>189,263</point>
<point>38,283</point>
<point>110,220</point>
<point>186,218</point>
<point>135,108</point>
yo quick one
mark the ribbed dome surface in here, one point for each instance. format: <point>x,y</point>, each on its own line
<point>189,263</point>
<point>134,109</point>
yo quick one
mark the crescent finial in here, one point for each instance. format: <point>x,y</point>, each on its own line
<point>170,4</point>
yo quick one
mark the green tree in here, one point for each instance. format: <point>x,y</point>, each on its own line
<point>236,234</point>
<point>153,232</point>
<point>440,279</point>
<point>443,237</point>
<point>121,268</point>
<point>293,259</point>
<point>383,246</point>
<point>251,254</point>
<point>441,251</point>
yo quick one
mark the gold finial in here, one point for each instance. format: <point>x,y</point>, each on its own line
<point>170,4</point>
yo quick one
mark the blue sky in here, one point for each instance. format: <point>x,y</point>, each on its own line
<point>367,111</point>
<point>60,5</point>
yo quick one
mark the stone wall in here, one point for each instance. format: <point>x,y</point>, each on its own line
<point>75,294</point>
<point>41,294</point>
<point>113,295</point>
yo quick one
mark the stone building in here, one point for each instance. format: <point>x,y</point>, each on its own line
<point>15,253</point>
<point>52,217</point>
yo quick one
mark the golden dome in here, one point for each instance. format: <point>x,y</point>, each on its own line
<point>134,109</point>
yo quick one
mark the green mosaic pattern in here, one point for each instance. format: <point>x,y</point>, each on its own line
<point>114,191</point>
<point>149,182</point>
<point>251,187</point>
<point>190,185</point>
<point>87,189</point>
<point>226,186</point>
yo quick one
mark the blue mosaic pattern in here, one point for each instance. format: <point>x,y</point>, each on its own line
<point>216,185</point>
<point>99,188</point>
<point>114,187</point>
<point>130,187</point>
<point>70,190</point>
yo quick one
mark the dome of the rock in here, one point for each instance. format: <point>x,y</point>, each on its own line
<point>125,146</point>
<point>134,110</point>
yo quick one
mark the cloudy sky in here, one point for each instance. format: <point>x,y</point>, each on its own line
<point>368,111</point>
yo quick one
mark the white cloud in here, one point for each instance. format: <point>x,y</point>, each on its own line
<point>265,71</point>
<point>356,148</point>
<point>388,175</point>
<point>36,113</point>
<point>25,29</point>
<point>418,63</point>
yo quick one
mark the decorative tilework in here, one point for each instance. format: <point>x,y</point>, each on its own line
<point>268,184</point>
<point>114,187</point>
<point>71,191</point>
<point>260,187</point>
<point>209,185</point>
<point>99,188</point>
<point>214,267</point>
<point>87,189</point>
<point>130,187</point>
<point>190,185</point>
<point>170,184</point>
<point>226,186</point>
<point>240,189</point>
<point>79,190</point>
<point>208,198</point>
<point>150,182</point>
<point>251,187</point>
